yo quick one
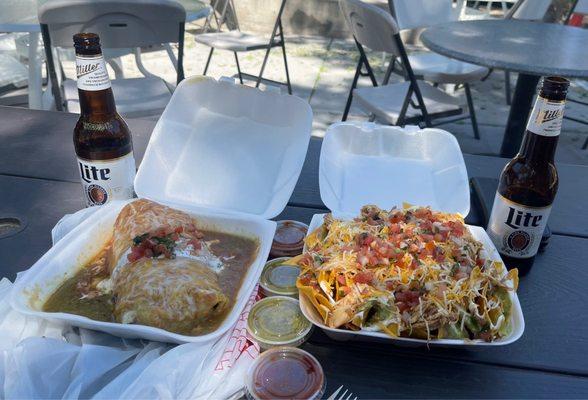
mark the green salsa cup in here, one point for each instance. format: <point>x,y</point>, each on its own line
<point>278,321</point>
<point>279,278</point>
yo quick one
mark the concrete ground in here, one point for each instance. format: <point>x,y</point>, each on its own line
<point>322,69</point>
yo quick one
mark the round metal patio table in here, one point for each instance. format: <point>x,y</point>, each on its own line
<point>533,49</point>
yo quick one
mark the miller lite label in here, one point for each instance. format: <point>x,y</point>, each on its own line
<point>107,180</point>
<point>546,117</point>
<point>516,229</point>
<point>92,73</point>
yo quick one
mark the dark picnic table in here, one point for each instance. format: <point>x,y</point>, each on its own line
<point>39,184</point>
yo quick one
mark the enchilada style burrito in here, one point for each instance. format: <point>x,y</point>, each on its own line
<point>159,269</point>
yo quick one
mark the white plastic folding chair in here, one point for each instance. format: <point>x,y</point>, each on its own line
<point>503,3</point>
<point>430,66</point>
<point>238,42</point>
<point>408,102</point>
<point>13,73</point>
<point>121,24</point>
<point>530,10</point>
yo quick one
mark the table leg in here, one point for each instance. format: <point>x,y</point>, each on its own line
<point>519,112</point>
<point>35,77</point>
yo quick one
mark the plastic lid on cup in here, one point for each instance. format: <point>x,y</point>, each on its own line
<point>278,321</point>
<point>289,239</point>
<point>279,278</point>
<point>286,373</point>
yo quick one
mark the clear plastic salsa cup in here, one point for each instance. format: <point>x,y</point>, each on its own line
<point>285,373</point>
<point>279,278</point>
<point>288,239</point>
<point>278,321</point>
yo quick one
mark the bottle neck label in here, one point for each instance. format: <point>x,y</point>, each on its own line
<point>92,73</point>
<point>516,229</point>
<point>546,117</point>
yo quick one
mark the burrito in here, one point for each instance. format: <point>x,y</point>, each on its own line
<point>179,295</point>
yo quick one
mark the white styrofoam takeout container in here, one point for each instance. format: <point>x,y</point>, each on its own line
<point>227,154</point>
<point>366,163</point>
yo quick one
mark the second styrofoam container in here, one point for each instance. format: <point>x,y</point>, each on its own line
<point>227,154</point>
<point>366,163</point>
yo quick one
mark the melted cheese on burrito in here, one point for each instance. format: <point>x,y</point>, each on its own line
<point>178,295</point>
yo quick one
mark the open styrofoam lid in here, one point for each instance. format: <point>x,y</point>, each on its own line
<point>366,163</point>
<point>226,147</point>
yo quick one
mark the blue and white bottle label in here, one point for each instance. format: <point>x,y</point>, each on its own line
<point>107,180</point>
<point>515,229</point>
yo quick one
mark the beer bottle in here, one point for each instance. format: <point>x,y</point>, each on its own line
<point>102,139</point>
<point>529,182</point>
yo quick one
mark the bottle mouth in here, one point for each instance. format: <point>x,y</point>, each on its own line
<point>556,82</point>
<point>555,87</point>
<point>86,40</point>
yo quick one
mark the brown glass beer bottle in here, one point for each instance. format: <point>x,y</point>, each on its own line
<point>529,182</point>
<point>102,139</point>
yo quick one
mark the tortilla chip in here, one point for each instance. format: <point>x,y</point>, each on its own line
<point>322,306</point>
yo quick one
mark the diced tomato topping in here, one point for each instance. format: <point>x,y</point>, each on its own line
<point>368,240</point>
<point>305,279</point>
<point>439,257</point>
<point>408,296</point>
<point>341,280</point>
<point>135,254</point>
<point>406,299</point>
<point>479,262</point>
<point>363,277</point>
<point>426,225</point>
<point>394,228</point>
<point>179,229</point>
<point>423,213</point>
<point>427,238</point>
<point>396,217</point>
<point>456,228</point>
<point>345,290</point>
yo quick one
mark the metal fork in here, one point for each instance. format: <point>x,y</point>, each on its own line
<point>335,395</point>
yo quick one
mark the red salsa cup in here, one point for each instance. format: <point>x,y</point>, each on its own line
<point>286,373</point>
<point>289,239</point>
